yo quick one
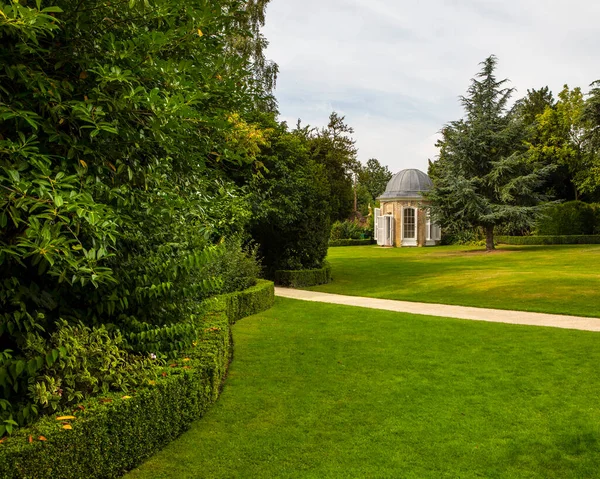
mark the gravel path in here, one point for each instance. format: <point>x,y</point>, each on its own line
<point>449,311</point>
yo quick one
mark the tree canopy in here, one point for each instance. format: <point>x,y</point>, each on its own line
<point>483,177</point>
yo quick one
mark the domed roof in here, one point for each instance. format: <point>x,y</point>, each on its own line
<point>407,184</point>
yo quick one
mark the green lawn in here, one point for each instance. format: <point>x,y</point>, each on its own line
<point>327,391</point>
<point>553,279</point>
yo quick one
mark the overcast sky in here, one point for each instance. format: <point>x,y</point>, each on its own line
<point>395,69</point>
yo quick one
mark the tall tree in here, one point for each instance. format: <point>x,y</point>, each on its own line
<point>290,201</point>
<point>482,178</point>
<point>534,104</point>
<point>334,148</point>
<point>249,42</point>
<point>374,177</point>
<point>558,138</point>
<point>591,118</point>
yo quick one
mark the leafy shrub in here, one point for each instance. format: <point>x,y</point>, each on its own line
<point>349,230</point>
<point>303,277</point>
<point>237,266</point>
<point>472,236</point>
<point>81,362</point>
<point>114,433</point>
<point>570,218</point>
<point>549,239</point>
<point>107,208</point>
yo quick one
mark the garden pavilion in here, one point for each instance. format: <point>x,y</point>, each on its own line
<point>403,216</point>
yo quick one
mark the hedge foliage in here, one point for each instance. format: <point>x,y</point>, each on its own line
<point>114,433</point>
<point>549,239</point>
<point>250,301</point>
<point>570,218</point>
<point>351,242</point>
<point>303,277</point>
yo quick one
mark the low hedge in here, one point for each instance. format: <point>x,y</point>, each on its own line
<point>351,242</point>
<point>116,432</point>
<point>303,277</point>
<point>548,239</point>
<point>250,301</point>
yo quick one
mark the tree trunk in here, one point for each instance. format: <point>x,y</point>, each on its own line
<point>489,238</point>
<point>355,198</point>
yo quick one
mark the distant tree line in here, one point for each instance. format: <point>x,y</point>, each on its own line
<point>501,164</point>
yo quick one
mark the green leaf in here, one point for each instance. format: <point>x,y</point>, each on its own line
<point>20,367</point>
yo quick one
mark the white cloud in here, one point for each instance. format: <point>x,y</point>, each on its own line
<point>395,69</point>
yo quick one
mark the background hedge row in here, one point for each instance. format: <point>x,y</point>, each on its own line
<point>305,277</point>
<point>570,218</point>
<point>351,242</point>
<point>549,239</point>
<point>116,432</point>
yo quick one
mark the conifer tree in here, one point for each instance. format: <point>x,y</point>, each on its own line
<point>482,177</point>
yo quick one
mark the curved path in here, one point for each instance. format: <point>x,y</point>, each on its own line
<point>449,311</point>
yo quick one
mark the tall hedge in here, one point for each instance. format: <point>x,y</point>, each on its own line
<point>570,218</point>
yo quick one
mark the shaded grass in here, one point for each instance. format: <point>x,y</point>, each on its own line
<point>328,391</point>
<point>552,279</point>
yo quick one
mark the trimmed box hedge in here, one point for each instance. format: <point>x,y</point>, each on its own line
<point>303,277</point>
<point>116,432</point>
<point>351,242</point>
<point>548,239</point>
<point>253,300</point>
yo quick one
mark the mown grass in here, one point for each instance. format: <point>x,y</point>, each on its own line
<point>553,279</point>
<point>328,391</point>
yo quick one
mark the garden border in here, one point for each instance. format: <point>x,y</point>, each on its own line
<point>116,432</point>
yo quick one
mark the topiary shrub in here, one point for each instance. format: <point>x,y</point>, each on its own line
<point>570,218</point>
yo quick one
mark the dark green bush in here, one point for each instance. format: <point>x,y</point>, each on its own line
<point>570,218</point>
<point>115,432</point>
<point>303,277</point>
<point>548,239</point>
<point>290,203</point>
<point>351,242</point>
